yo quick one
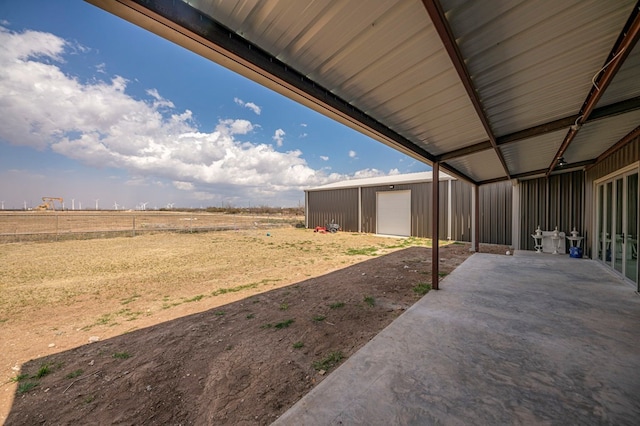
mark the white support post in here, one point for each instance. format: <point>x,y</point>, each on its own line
<point>515,215</point>
<point>474,219</point>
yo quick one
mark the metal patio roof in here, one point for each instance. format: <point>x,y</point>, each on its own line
<point>489,90</point>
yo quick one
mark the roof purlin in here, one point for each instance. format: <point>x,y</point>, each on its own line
<point>607,111</point>
<point>436,13</point>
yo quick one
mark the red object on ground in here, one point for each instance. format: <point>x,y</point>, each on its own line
<point>321,229</point>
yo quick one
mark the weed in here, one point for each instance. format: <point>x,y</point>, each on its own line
<point>369,300</point>
<point>443,274</point>
<point>195,298</point>
<point>319,318</point>
<point>74,374</point>
<point>284,324</point>
<point>26,387</point>
<point>336,305</point>
<point>122,355</point>
<point>268,325</point>
<point>218,313</point>
<point>229,347</point>
<point>250,316</point>
<point>422,288</point>
<point>3,320</point>
<point>89,399</point>
<point>43,371</point>
<point>298,345</point>
<point>329,361</point>
<point>364,251</point>
<point>130,299</point>
<point>19,378</point>
<point>284,306</point>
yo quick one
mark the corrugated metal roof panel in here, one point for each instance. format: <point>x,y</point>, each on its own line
<point>384,58</point>
<point>383,180</point>
<point>532,62</point>
<point>534,153</point>
<point>596,137</point>
<point>483,165</point>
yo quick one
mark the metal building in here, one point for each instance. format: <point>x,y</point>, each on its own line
<point>401,205</point>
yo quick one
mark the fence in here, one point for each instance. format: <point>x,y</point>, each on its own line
<point>55,226</point>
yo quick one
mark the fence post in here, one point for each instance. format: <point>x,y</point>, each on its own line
<point>57,217</point>
<point>191,225</point>
<point>133,229</point>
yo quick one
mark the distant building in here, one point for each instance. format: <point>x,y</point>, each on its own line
<point>400,205</point>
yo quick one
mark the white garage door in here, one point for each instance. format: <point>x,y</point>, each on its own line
<point>393,213</point>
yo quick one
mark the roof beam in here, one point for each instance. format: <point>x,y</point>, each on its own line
<point>435,11</point>
<point>607,111</point>
<point>621,50</point>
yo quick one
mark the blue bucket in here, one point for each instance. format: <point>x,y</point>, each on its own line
<point>575,252</point>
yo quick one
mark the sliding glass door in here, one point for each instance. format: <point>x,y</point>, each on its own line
<point>617,224</point>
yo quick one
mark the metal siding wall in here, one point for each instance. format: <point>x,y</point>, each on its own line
<point>461,210</point>
<point>343,206</point>
<point>556,201</point>
<point>626,156</point>
<point>495,213</point>
<point>340,205</point>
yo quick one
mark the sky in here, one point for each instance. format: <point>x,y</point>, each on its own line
<point>102,113</point>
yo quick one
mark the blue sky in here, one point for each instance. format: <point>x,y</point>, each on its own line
<point>95,108</point>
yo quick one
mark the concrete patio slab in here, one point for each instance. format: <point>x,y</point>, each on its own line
<point>524,339</point>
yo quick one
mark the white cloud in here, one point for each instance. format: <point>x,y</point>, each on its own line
<point>184,186</point>
<point>303,124</point>
<point>278,136</point>
<point>253,107</point>
<point>352,154</point>
<point>99,124</point>
<point>324,158</point>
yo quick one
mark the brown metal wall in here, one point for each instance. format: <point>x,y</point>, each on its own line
<point>461,213</point>
<point>495,213</point>
<point>550,202</point>
<point>339,205</point>
<point>626,156</point>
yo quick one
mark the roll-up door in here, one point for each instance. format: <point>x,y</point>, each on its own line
<point>393,213</point>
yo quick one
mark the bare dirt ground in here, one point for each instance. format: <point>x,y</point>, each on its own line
<point>218,328</point>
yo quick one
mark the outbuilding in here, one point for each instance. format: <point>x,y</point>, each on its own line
<point>400,205</point>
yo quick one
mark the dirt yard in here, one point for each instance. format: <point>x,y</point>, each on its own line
<point>215,328</point>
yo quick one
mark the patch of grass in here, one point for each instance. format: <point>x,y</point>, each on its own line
<point>268,325</point>
<point>284,324</point>
<point>364,251</point>
<point>242,287</point>
<point>336,305</point>
<point>443,274</point>
<point>128,300</point>
<point>19,378</point>
<point>26,386</point>
<point>43,371</point>
<point>369,300</point>
<point>3,320</point>
<point>329,361</point>
<point>195,298</point>
<point>122,355</point>
<point>74,374</point>
<point>89,399</point>
<point>319,318</point>
<point>422,288</point>
<point>250,316</point>
<point>298,345</point>
<point>284,306</point>
<point>218,313</point>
